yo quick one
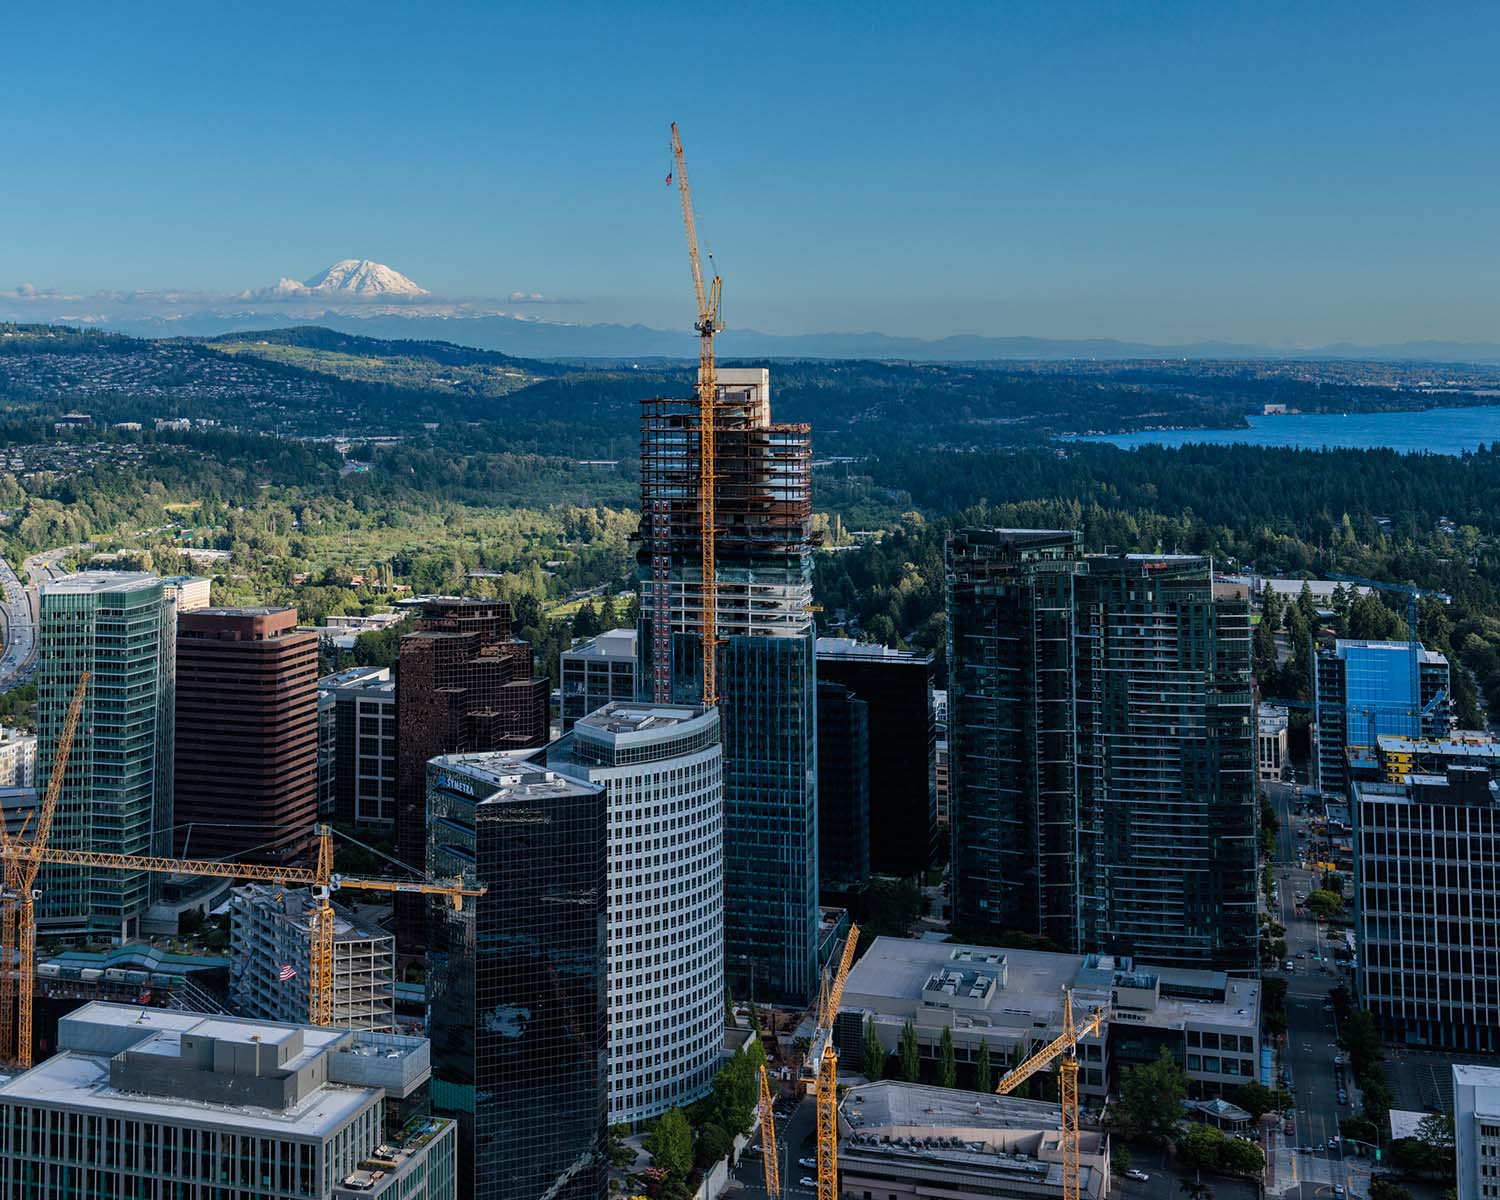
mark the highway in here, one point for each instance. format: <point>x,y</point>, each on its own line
<point>18,612</point>
<point>1303,1163</point>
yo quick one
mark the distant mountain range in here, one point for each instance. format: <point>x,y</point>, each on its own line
<point>361,296</point>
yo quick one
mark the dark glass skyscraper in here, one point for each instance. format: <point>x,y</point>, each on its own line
<point>463,683</point>
<point>843,788</point>
<point>1012,732</point>
<point>517,978</point>
<point>766,673</point>
<point>1167,776</point>
<point>896,686</point>
<point>1103,750</point>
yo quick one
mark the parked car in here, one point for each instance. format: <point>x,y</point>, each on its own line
<point>1138,1176</point>
<point>809,1182</point>
<point>810,1163</point>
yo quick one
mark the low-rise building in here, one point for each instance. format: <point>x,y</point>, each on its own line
<point>270,934</point>
<point>17,758</point>
<point>1476,1128</point>
<point>156,1102</point>
<point>902,1141</point>
<point>1272,722</point>
<point>190,592</point>
<point>1009,999</point>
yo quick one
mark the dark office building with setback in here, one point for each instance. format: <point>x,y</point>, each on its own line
<point>517,978</point>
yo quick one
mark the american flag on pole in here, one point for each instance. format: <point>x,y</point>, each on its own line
<point>288,972</point>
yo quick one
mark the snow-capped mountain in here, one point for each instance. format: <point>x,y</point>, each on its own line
<point>361,277</point>
<point>347,279</point>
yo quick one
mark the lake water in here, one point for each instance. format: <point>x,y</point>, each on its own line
<point>1436,431</point>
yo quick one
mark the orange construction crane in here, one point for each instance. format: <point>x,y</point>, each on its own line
<point>768,1137</point>
<point>708,323</point>
<point>18,900</point>
<point>1064,1046</point>
<point>821,1069</point>
<point>320,879</point>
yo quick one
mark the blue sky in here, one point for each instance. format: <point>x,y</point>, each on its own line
<point>1295,173</point>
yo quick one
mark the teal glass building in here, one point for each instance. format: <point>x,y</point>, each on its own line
<point>117,790</point>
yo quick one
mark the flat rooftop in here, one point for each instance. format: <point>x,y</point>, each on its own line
<point>84,583</point>
<point>624,716</point>
<point>891,977</point>
<point>78,1078</point>
<point>612,643</point>
<point>892,1102</point>
<point>371,678</point>
<point>838,647</point>
<point>511,775</point>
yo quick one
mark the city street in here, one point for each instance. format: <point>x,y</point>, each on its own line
<point>794,1139</point>
<point>1303,1164</point>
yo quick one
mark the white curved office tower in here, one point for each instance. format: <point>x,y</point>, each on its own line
<point>662,768</point>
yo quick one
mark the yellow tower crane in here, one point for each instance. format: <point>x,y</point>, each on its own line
<point>320,879</point>
<point>708,323</point>
<point>821,1069</point>
<point>1064,1046</point>
<point>18,900</point>
<point>768,1137</point>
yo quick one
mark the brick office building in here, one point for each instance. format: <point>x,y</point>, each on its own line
<point>246,776</point>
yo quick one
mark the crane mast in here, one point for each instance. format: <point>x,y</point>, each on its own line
<point>18,900</point>
<point>1064,1046</point>
<point>707,324</point>
<point>821,1069</point>
<point>768,1137</point>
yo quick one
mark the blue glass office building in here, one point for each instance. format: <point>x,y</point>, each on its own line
<point>1363,690</point>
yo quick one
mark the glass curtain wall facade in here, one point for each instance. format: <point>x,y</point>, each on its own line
<point>843,789</point>
<point>117,790</point>
<point>1362,691</point>
<point>1102,751</point>
<point>896,686</point>
<point>1170,818</point>
<point>517,978</point>
<point>1012,732</point>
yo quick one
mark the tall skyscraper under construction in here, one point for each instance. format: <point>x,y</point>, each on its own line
<point>765,668</point>
<point>1102,742</point>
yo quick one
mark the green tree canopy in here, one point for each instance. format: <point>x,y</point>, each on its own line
<point>983,1071</point>
<point>947,1061</point>
<point>872,1057</point>
<point>671,1144</point>
<point>1151,1097</point>
<point>909,1052</point>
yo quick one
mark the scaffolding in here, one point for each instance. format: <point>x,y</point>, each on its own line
<point>763,520</point>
